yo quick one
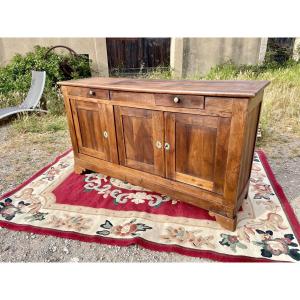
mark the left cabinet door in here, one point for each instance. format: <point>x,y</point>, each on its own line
<point>95,129</point>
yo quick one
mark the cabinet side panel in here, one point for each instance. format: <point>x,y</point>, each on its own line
<point>70,119</point>
<point>235,151</point>
<point>221,154</point>
<point>249,146</point>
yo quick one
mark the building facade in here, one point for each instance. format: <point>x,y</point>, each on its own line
<point>188,56</point>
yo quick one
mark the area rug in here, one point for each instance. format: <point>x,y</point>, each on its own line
<point>96,208</point>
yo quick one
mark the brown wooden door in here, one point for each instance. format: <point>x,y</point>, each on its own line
<point>94,127</point>
<point>140,135</point>
<point>197,153</point>
<point>133,55</point>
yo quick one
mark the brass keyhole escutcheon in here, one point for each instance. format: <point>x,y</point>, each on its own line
<point>158,145</point>
<point>105,134</point>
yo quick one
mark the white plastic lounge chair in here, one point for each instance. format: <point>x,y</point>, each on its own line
<point>32,100</point>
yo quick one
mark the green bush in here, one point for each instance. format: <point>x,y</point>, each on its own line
<point>279,50</point>
<point>15,78</point>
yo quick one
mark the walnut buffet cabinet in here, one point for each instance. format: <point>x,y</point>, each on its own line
<point>191,140</point>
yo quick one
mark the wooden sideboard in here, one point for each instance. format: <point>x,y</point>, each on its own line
<point>191,140</point>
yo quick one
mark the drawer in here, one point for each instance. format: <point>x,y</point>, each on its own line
<point>218,104</point>
<point>132,97</point>
<point>188,101</point>
<point>88,92</point>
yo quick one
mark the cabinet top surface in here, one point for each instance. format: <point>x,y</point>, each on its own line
<point>227,88</point>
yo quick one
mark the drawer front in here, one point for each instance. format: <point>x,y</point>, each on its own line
<point>218,104</point>
<point>89,92</point>
<point>132,97</point>
<point>187,101</point>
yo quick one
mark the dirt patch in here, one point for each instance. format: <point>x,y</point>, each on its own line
<point>284,157</point>
<point>21,155</point>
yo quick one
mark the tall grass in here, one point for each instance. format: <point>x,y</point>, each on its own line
<point>39,124</point>
<point>281,105</point>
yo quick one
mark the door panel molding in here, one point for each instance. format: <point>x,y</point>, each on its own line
<point>203,163</point>
<point>138,130</point>
<point>90,122</point>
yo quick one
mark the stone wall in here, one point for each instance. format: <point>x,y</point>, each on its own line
<point>196,56</point>
<point>296,50</point>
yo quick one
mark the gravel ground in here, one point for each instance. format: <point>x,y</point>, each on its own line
<point>21,155</point>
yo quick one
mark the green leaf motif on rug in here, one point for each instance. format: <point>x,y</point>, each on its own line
<point>128,229</point>
<point>231,241</point>
<point>277,246</point>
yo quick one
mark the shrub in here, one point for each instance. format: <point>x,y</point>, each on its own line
<point>15,78</point>
<point>279,50</point>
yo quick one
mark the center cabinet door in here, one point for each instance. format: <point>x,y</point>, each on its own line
<point>94,127</point>
<point>196,152</point>
<point>140,135</point>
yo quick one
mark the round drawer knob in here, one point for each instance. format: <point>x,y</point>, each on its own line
<point>92,93</point>
<point>176,99</point>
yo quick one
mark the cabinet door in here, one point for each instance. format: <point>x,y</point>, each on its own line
<point>94,127</point>
<point>140,134</point>
<point>196,151</point>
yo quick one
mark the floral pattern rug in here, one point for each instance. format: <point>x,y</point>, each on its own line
<point>96,208</point>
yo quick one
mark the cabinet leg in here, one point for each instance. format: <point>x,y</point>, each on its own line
<point>78,170</point>
<point>225,222</point>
